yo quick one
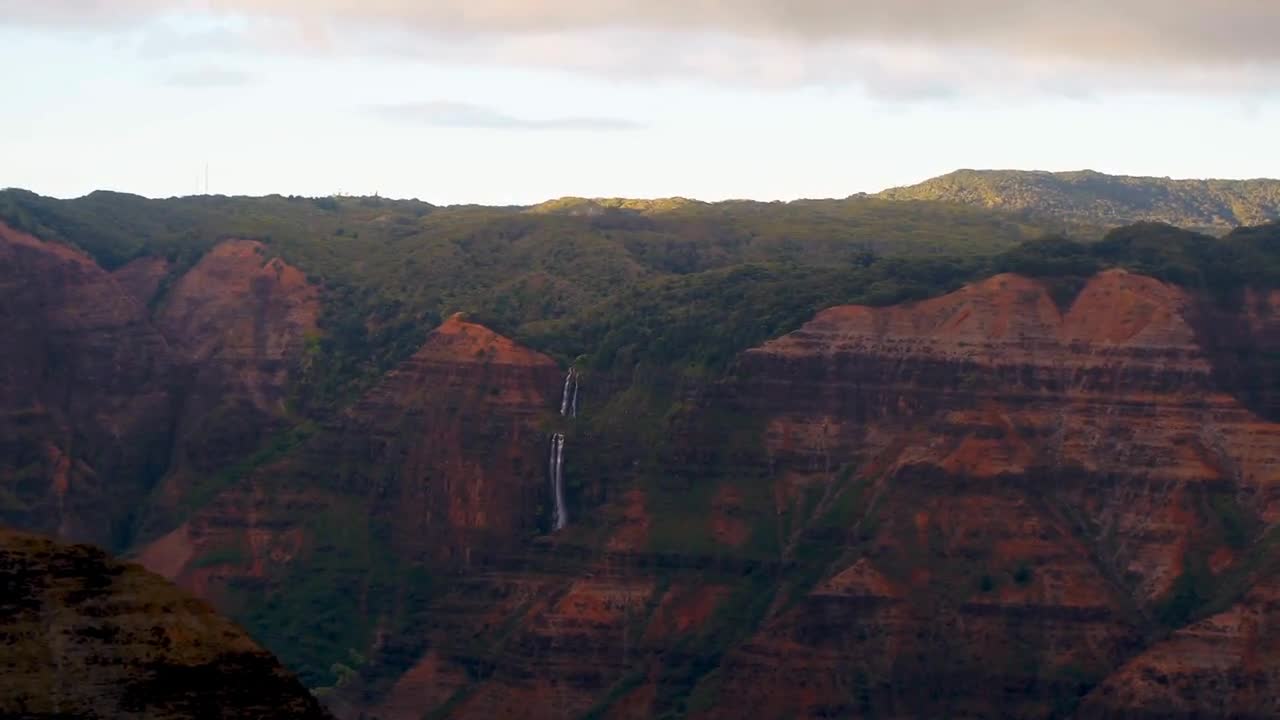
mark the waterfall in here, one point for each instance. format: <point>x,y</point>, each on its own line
<point>569,396</point>
<point>560,516</point>
<point>573,406</point>
<point>569,409</point>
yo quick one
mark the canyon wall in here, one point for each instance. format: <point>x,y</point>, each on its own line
<point>439,467</point>
<point>87,394</point>
<point>1026,498</point>
<point>1000,501</point>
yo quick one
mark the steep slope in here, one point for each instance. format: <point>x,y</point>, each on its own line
<point>90,637</point>
<point>1093,199</point>
<point>101,403</point>
<point>239,321</point>
<point>86,394</point>
<point>440,465</point>
<point>985,503</point>
<point>1224,665</point>
<point>1037,490</point>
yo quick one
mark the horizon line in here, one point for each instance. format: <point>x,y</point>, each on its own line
<point>654,198</point>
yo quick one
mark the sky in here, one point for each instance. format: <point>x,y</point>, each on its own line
<point>519,101</point>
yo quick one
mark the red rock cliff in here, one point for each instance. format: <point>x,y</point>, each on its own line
<point>1037,487</point>
<point>238,321</point>
<point>439,465</point>
<point>984,504</point>
<point>86,394</point>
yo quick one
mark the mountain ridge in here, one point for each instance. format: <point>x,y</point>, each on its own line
<point>1088,197</point>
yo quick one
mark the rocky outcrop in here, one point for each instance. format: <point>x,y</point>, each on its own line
<point>996,502</point>
<point>446,449</point>
<point>459,425</point>
<point>1029,491</point>
<point>144,277</point>
<point>90,637</point>
<point>109,417</point>
<point>1222,666</point>
<point>86,394</point>
<point>440,467</point>
<point>239,321</point>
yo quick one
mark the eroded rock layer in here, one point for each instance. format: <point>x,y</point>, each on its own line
<point>996,502</point>
<point>440,466</point>
<point>1010,500</point>
<point>1034,489</point>
<point>86,394</point>
<point>238,321</point>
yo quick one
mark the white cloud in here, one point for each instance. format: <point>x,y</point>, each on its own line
<point>897,49</point>
<point>447,114</point>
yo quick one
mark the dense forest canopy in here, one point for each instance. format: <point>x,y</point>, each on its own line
<point>671,282</point>
<point>1091,199</point>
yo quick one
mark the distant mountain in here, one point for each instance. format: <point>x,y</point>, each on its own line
<point>1089,198</point>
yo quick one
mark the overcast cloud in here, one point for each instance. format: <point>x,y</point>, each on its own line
<point>898,49</point>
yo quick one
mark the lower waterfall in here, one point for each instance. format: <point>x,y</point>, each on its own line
<point>560,515</point>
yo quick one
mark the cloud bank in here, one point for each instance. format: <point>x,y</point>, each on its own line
<point>467,116</point>
<point>902,48</point>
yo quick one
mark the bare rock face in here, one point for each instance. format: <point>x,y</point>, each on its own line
<point>993,503</point>
<point>111,415</point>
<point>446,453</point>
<point>1222,666</point>
<point>144,277</point>
<point>1039,487</point>
<point>90,637</point>
<point>239,321</point>
<point>458,426</point>
<point>440,467</point>
<point>236,306</point>
<point>86,394</point>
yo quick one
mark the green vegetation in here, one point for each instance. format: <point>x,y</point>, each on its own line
<point>619,690</point>
<point>1191,592</point>
<point>392,269</point>
<point>684,684</point>
<point>1238,524</point>
<point>348,583</point>
<point>653,302</point>
<point>205,489</point>
<point>1022,575</point>
<point>1090,200</point>
<point>226,555</point>
<point>667,283</point>
<point>688,329</point>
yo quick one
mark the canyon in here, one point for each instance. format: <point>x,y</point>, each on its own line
<point>1026,497</point>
